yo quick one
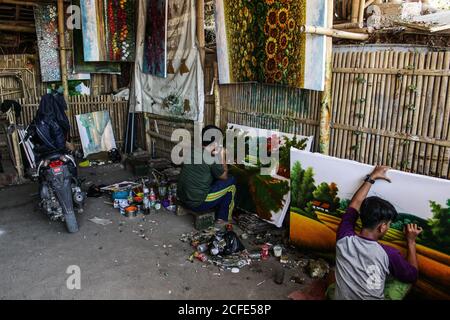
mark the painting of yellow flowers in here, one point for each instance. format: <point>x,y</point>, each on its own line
<point>260,40</point>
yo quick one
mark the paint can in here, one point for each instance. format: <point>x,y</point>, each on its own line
<point>131,211</point>
<point>201,256</point>
<point>202,247</point>
<point>277,251</point>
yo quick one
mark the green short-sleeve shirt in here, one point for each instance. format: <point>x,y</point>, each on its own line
<point>195,181</point>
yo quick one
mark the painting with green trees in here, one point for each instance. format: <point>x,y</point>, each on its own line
<point>321,189</point>
<point>267,195</point>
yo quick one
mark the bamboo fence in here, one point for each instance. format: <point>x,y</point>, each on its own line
<point>118,111</point>
<point>27,66</point>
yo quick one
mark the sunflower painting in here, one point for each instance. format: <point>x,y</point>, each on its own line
<point>260,40</point>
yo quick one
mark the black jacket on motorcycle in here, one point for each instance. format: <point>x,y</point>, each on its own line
<point>50,128</point>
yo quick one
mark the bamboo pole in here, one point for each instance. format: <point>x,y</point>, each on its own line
<point>201,29</point>
<point>334,33</point>
<point>62,46</point>
<point>348,25</point>
<point>362,4</point>
<point>16,147</point>
<point>325,113</point>
<point>16,28</point>
<point>355,10</point>
<point>217,101</point>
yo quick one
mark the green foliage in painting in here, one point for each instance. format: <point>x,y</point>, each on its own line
<point>439,227</point>
<point>285,150</point>
<point>302,187</point>
<point>327,193</point>
<point>267,193</point>
<point>343,204</point>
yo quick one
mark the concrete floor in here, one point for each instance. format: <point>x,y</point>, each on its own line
<point>115,262</point>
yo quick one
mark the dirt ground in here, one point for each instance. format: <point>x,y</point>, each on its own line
<point>115,262</point>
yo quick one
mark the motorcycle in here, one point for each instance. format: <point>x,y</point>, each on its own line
<point>59,189</point>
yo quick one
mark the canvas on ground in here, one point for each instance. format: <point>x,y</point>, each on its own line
<point>96,132</point>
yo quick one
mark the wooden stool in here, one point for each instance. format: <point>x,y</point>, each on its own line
<point>202,220</point>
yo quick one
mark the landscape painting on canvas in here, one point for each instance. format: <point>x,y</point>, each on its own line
<point>260,40</point>
<point>321,189</point>
<point>251,184</point>
<point>96,132</point>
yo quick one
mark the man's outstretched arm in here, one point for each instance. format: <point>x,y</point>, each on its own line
<point>347,225</point>
<point>378,173</point>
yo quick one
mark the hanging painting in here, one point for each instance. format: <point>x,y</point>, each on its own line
<point>321,191</point>
<point>155,47</point>
<point>96,132</point>
<point>108,30</point>
<point>46,17</point>
<point>79,65</point>
<point>181,93</point>
<point>260,40</point>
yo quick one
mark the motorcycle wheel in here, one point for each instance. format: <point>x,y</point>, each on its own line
<point>71,222</point>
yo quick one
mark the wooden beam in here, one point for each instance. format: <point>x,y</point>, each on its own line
<point>325,105</point>
<point>20,3</point>
<point>334,33</point>
<point>200,14</point>
<point>13,28</point>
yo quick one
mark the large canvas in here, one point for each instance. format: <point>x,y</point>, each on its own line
<point>260,40</point>
<point>96,132</point>
<point>247,196</point>
<point>181,93</point>
<point>155,48</point>
<point>321,191</point>
<point>108,30</point>
<point>48,45</point>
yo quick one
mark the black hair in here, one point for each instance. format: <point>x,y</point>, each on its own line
<point>375,210</point>
<point>204,130</point>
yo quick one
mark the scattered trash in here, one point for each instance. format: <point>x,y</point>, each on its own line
<point>235,270</point>
<point>260,283</point>
<point>284,259</point>
<point>100,221</point>
<point>318,268</point>
<point>298,279</point>
<point>252,224</point>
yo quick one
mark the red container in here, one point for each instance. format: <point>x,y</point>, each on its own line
<point>201,256</point>
<point>265,252</point>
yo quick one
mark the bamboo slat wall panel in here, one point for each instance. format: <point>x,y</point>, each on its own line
<point>393,107</point>
<point>24,65</point>
<point>28,67</point>
<point>118,111</point>
<point>271,107</point>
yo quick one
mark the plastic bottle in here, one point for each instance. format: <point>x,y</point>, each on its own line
<point>130,197</point>
<point>146,200</point>
<point>152,197</point>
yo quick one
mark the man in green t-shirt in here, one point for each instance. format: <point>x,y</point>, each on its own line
<point>205,186</point>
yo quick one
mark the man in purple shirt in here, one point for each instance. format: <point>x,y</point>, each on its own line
<point>362,263</point>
